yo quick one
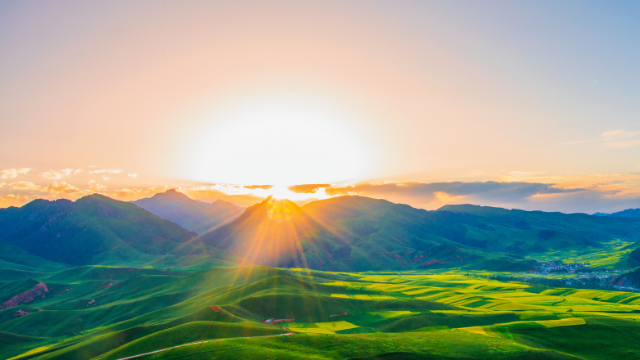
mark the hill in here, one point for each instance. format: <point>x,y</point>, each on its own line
<point>196,216</point>
<point>392,236</point>
<point>276,233</point>
<point>92,230</point>
<point>353,233</point>
<point>111,313</point>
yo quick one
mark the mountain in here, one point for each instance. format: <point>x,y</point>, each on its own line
<point>635,213</point>
<point>353,233</point>
<point>92,230</point>
<point>196,216</point>
<point>276,233</point>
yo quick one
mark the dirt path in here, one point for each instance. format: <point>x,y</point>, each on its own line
<point>199,342</point>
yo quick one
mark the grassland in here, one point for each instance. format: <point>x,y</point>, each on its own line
<point>112,312</point>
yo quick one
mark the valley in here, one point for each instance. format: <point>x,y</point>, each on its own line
<point>349,277</point>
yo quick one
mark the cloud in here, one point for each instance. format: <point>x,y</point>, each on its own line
<point>614,139</point>
<point>263,187</point>
<point>24,185</point>
<point>434,195</point>
<point>14,200</point>
<point>13,173</point>
<point>57,175</point>
<point>307,188</point>
<point>93,186</point>
<point>61,188</point>
<point>106,171</point>
<point>105,178</point>
<point>2,184</point>
<point>134,175</point>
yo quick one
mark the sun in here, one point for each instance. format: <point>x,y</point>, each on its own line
<point>278,141</point>
<point>281,192</point>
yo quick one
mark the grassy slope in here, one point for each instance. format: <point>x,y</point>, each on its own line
<point>397,314</point>
<point>93,230</point>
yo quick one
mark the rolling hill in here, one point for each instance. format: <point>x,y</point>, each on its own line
<point>92,230</point>
<point>111,313</point>
<point>196,216</point>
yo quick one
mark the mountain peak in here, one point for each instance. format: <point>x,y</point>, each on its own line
<point>172,194</point>
<point>191,214</point>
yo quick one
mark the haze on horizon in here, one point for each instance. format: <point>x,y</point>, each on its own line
<point>531,105</point>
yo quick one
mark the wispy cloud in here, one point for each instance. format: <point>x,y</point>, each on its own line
<point>61,188</point>
<point>57,175</point>
<point>263,187</point>
<point>13,173</point>
<point>106,171</point>
<point>307,188</point>
<point>133,176</point>
<point>614,139</point>
<point>24,185</point>
<point>93,186</point>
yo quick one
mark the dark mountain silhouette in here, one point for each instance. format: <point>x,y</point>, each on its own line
<point>92,230</point>
<point>196,216</point>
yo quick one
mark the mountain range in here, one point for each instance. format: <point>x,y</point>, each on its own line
<point>348,233</point>
<point>193,215</point>
<point>635,213</point>
<point>353,233</point>
<point>92,230</point>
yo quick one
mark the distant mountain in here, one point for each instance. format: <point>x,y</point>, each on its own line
<point>275,233</point>
<point>92,230</point>
<point>634,213</point>
<point>196,216</point>
<point>358,234</point>
<point>349,233</point>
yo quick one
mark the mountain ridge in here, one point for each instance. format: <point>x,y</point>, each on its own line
<point>193,215</point>
<point>94,229</point>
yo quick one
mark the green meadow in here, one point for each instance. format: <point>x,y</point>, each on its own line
<point>112,313</point>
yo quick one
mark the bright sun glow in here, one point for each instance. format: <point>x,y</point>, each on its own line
<point>281,192</point>
<point>276,141</point>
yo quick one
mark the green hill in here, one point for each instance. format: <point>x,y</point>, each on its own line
<point>92,230</point>
<point>219,313</point>
<point>353,233</point>
<point>275,233</point>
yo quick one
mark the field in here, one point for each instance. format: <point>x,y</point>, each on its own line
<point>110,313</point>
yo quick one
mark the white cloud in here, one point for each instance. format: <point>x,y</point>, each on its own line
<point>96,187</point>
<point>105,178</point>
<point>13,173</point>
<point>620,139</point>
<point>134,175</point>
<point>107,171</point>
<point>57,175</point>
<point>24,185</point>
<point>61,188</point>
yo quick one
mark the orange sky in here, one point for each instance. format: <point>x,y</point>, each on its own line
<point>132,98</point>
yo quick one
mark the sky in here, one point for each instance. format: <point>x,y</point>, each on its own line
<point>528,104</point>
